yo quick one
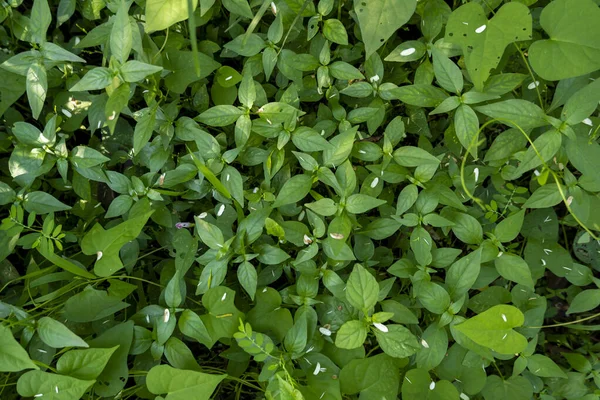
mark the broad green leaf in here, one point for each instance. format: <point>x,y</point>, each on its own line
<point>584,301</point>
<point>52,386</point>
<point>248,278</point>
<point>40,20</point>
<point>179,355</point>
<point>379,19</point>
<point>433,297</point>
<point>483,42</point>
<point>433,347</point>
<point>508,229</point>
<point>515,388</point>
<point>397,342</point>
<point>220,115</point>
<point>181,384</point>
<point>417,384</point>
<point>13,357</point>
<point>307,139</point>
<point>516,113</point>
<point>37,87</point>
<point>447,73</point>
<point>191,325</point>
<point>362,289</point>
<point>325,207</point>
<point>86,157</point>
<point>233,182</point>
<point>582,104</point>
<point>466,125</point>
<point>335,31</point>
<point>545,196</point>
<point>92,305</point>
<point>420,244</point>
<point>121,40</point>
<point>571,50</point>
<point>351,335</point>
<point>543,149</point>
<point>239,7</point>
<point>373,377</point>
<point>294,190</point>
<point>420,95</point>
<point>409,156</point>
<point>361,203</point>
<point>112,379</point>
<point>84,364</point>
<point>96,79</point>
<point>106,244</point>
<point>56,335</point>
<point>463,273</point>
<point>514,268</point>
<point>340,149</point>
<point>161,14</point>
<point>493,329</point>
<point>210,234</point>
<point>43,203</point>
<point>543,366</point>
<point>134,71</point>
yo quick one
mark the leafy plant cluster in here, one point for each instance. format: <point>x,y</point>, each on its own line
<point>299,199</point>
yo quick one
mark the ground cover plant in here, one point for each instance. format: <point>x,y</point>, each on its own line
<point>299,199</point>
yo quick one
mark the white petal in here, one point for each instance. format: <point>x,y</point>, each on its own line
<point>337,236</point>
<point>99,255</point>
<point>224,296</point>
<point>424,343</point>
<point>381,327</point>
<point>202,215</point>
<point>317,369</point>
<point>533,85</point>
<point>504,318</point>
<point>476,173</point>
<point>374,183</point>
<point>408,52</point>
<point>480,29</point>
<point>307,240</point>
<point>325,331</point>
<point>588,122</point>
<point>432,385</point>
<point>221,210</point>
<point>166,315</point>
<point>464,397</point>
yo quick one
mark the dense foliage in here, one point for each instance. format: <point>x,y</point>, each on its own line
<point>299,199</point>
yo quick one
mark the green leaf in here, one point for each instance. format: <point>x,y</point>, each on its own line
<point>43,203</point>
<point>294,190</point>
<point>307,139</point>
<point>232,180</point>
<point>161,14</point>
<point>52,386</point>
<point>181,384</point>
<point>351,335</point>
<point>433,297</point>
<point>545,196</point>
<point>409,156</point>
<point>340,149</point>
<point>508,229</point>
<point>373,377</point>
<point>515,388</point>
<point>121,40</point>
<point>220,115</point>
<point>466,228</point>
<point>466,125</point>
<point>546,146</point>
<point>446,72</point>
<point>96,79</point>
<point>419,95</point>
<point>56,335</point>
<point>239,7</point>
<point>86,157</point>
<point>397,342</point>
<point>37,87</point>
<point>210,234</point>
<point>179,355</point>
<point>483,42</point>
<point>362,290</point>
<point>53,52</point>
<point>543,366</point>
<point>335,31</point>
<point>248,278</point>
<point>134,71</point>
<point>573,48</point>
<point>84,364</point>
<point>92,305</point>
<point>143,129</point>
<point>493,329</point>
<point>106,244</point>
<point>13,357</point>
<point>379,19</point>
<point>516,113</point>
<point>585,301</point>
<point>514,268</point>
<point>417,384</point>
<point>40,20</point>
<point>361,203</point>
<point>463,273</point>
